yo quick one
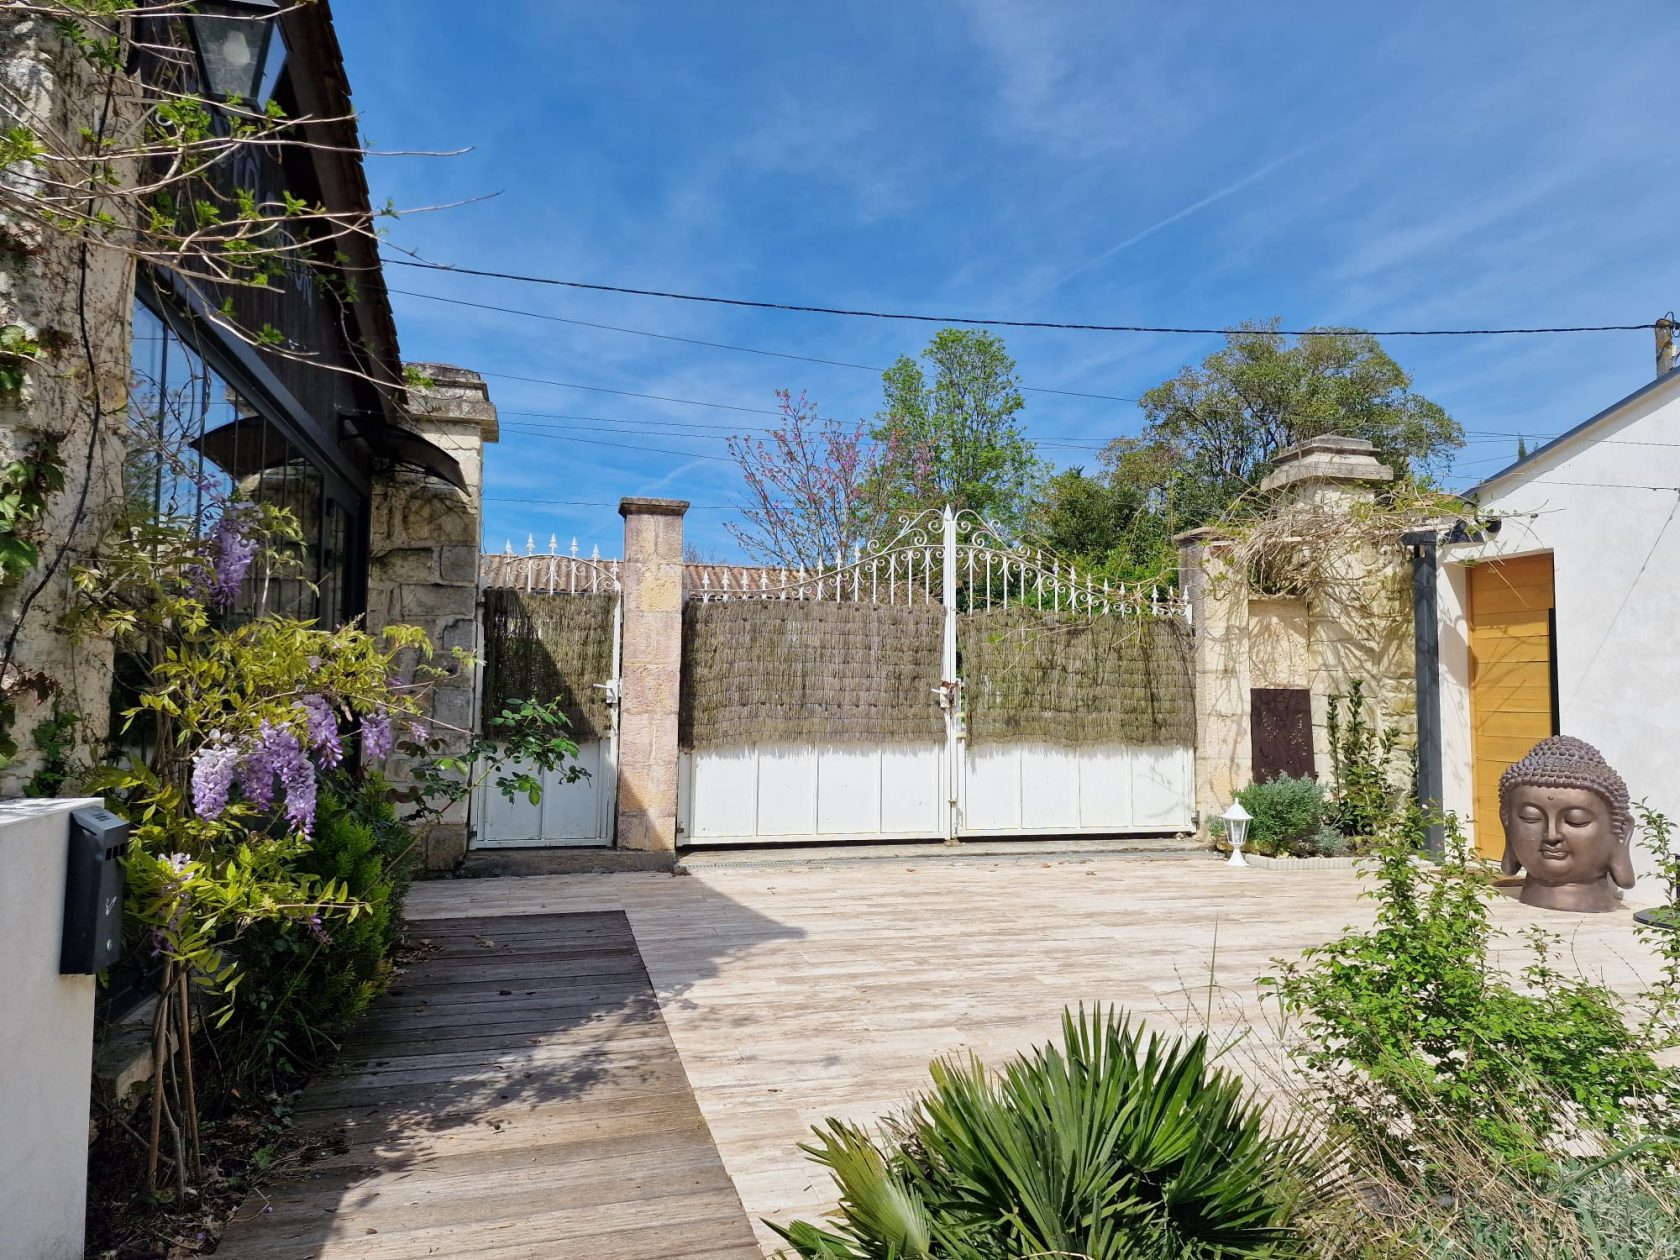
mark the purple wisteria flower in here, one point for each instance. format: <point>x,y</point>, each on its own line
<point>323,730</point>
<point>231,555</point>
<point>376,736</point>
<point>214,766</point>
<point>279,754</point>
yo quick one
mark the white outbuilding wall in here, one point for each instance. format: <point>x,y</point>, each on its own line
<point>1604,500</point>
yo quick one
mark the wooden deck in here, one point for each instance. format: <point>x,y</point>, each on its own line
<point>798,992</point>
<point>553,1120</point>
<point>516,1094</point>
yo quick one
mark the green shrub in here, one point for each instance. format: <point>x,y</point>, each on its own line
<point>1363,794</point>
<point>1114,1146</point>
<point>1411,1022</point>
<point>1289,819</point>
<point>304,983</point>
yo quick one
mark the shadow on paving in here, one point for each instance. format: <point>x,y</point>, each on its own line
<point>515,1094</point>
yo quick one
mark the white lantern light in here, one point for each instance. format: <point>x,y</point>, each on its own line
<point>1236,827</point>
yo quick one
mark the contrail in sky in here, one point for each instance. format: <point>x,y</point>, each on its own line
<point>1229,189</point>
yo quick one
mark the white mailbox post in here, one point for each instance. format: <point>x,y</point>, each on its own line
<point>46,1040</point>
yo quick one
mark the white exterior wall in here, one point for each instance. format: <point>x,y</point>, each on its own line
<point>1616,562</point>
<point>46,1040</point>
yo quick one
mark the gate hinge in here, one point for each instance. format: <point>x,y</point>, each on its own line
<point>611,688</point>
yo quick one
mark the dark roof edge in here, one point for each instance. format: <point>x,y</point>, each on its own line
<point>1568,435</point>
<point>311,31</point>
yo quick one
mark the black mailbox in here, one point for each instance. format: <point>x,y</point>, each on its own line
<point>93,893</point>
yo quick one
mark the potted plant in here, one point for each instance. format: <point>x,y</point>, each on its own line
<point>1656,833</point>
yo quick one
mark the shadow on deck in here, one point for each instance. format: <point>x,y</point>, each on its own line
<point>516,1093</point>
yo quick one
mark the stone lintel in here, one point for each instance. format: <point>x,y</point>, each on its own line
<point>652,507</point>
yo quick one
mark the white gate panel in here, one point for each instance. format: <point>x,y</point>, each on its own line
<point>793,793</point>
<point>1164,787</point>
<point>787,791</point>
<point>1041,789</point>
<point>570,814</point>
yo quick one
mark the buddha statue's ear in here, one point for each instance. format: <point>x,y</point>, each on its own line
<point>1621,859</point>
<point>1508,860</point>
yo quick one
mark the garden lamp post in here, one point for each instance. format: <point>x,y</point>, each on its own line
<point>235,42</point>
<point>1236,827</point>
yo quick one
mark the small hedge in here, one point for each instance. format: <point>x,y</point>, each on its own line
<point>304,984</point>
<point>1291,819</point>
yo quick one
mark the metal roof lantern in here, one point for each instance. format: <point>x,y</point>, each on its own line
<point>239,46</point>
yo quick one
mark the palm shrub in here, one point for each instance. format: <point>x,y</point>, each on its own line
<point>1113,1146</point>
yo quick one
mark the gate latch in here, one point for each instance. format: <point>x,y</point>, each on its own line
<point>947,693</point>
<point>611,688</point>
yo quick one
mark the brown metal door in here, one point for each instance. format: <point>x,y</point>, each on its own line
<point>1280,724</point>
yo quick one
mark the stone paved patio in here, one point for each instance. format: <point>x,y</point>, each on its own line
<point>795,991</point>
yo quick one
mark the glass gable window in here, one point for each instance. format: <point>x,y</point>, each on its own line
<point>198,440</point>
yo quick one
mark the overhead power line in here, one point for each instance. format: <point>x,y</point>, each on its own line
<point>979,321</point>
<point>718,345</point>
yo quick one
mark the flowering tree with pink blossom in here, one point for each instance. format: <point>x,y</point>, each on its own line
<point>805,488</point>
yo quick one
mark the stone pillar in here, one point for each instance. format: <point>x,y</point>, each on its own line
<point>65,310</point>
<point>651,672</point>
<point>423,553</point>
<point>1359,621</point>
<point>1219,615</point>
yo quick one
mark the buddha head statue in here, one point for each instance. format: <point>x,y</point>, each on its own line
<point>1568,825</point>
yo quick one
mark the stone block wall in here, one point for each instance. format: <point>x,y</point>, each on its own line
<point>424,542</point>
<point>73,299</point>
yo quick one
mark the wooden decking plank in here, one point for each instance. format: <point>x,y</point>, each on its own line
<point>517,1093</point>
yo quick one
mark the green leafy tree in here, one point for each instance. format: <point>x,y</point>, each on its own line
<point>948,431</point>
<point>1213,431</point>
<point>1112,527</point>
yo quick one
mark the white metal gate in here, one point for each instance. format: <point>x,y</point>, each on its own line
<point>569,814</point>
<point>814,792</point>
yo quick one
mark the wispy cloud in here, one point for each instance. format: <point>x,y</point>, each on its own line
<point>1201,203</point>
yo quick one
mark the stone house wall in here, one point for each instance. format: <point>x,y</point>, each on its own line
<point>424,541</point>
<point>73,299</point>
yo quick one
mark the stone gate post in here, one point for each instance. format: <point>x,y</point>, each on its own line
<point>650,670</point>
<point>423,567</point>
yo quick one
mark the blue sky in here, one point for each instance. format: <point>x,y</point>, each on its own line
<point>1423,165</point>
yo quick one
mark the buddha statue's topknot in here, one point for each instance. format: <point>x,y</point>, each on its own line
<point>1563,761</point>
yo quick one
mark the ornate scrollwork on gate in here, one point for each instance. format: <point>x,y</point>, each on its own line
<point>995,572</point>
<point>554,572</point>
<point>905,570</point>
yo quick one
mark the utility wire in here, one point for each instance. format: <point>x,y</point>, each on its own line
<point>977,321</point>
<point>628,427</point>
<point>717,345</point>
<point>533,431</point>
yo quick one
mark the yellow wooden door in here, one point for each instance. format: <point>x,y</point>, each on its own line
<point>1511,700</point>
